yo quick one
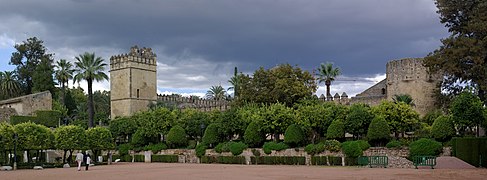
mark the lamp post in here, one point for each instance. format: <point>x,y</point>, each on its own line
<point>15,150</point>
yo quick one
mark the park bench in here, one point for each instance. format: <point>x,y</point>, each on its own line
<point>373,161</point>
<point>424,161</point>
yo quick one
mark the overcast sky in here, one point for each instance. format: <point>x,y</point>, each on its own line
<point>199,42</point>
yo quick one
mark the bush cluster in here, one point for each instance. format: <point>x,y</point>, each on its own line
<point>443,128</point>
<point>336,130</point>
<point>269,146</point>
<point>313,149</point>
<point>177,137</point>
<point>352,149</point>
<point>252,136</point>
<point>333,145</point>
<point>394,144</point>
<point>279,160</point>
<point>294,136</point>
<point>425,147</point>
<point>155,148</point>
<point>201,150</point>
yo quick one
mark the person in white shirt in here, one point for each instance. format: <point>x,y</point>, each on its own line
<point>79,159</point>
<point>88,161</point>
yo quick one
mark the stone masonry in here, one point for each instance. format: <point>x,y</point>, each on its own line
<point>25,105</point>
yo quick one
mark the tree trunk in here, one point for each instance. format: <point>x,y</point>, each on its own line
<point>64,156</point>
<point>91,111</point>
<point>70,157</point>
<point>328,94</point>
<point>276,137</point>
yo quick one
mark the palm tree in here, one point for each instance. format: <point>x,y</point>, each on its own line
<point>326,73</point>
<point>90,68</point>
<point>64,73</point>
<point>9,86</point>
<point>234,82</point>
<point>216,93</point>
<point>405,98</point>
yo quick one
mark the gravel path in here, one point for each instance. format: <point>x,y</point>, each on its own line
<point>131,171</point>
<point>447,162</point>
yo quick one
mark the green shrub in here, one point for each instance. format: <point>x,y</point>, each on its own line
<point>279,160</point>
<point>252,136</point>
<point>364,145</point>
<point>294,136</point>
<point>237,148</point>
<point>155,148</point>
<point>48,118</point>
<point>212,135</point>
<point>123,149</point>
<point>255,152</point>
<point>165,158</point>
<point>191,144</point>
<point>21,119</point>
<point>221,147</point>
<point>352,149</point>
<point>443,129</point>
<point>394,144</point>
<point>313,149</point>
<point>333,145</point>
<point>177,137</point>
<point>223,159</point>
<point>201,150</point>
<point>425,147</point>
<point>472,150</point>
<point>336,130</point>
<point>379,131</point>
<point>269,146</point>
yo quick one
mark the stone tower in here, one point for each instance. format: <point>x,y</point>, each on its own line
<point>409,76</point>
<point>133,81</point>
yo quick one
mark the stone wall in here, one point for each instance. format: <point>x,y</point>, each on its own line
<point>27,105</point>
<point>200,104</point>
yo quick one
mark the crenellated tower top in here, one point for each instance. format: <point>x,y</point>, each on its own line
<point>140,56</point>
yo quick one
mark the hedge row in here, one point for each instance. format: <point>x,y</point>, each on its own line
<point>276,160</point>
<point>321,160</point>
<point>165,158</point>
<point>223,159</point>
<point>471,150</point>
<point>46,118</point>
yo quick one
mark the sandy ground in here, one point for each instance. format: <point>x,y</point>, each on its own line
<point>134,171</point>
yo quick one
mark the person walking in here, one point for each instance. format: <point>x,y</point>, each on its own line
<point>88,161</point>
<point>79,159</point>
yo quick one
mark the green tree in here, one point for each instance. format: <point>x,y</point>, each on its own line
<point>431,116</point>
<point>90,68</point>
<point>33,137</point>
<point>283,83</point>
<point>216,93</point>
<point>212,135</point>
<point>64,73</point>
<point>462,57</point>
<point>336,130</point>
<point>101,103</point>
<point>27,57</point>
<point>98,139</point>
<point>42,78</point>
<point>276,118</point>
<point>405,98</point>
<point>153,124</point>
<point>443,129</point>
<point>9,86</point>
<point>379,131</point>
<point>467,112</point>
<point>358,119</point>
<point>177,137</point>
<point>69,138</point>
<point>294,136</point>
<point>7,140</point>
<point>326,73</point>
<point>122,128</point>
<point>315,118</point>
<point>400,116</point>
<point>193,122</point>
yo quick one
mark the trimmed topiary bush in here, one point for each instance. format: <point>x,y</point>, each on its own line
<point>212,135</point>
<point>269,146</point>
<point>333,145</point>
<point>201,150</point>
<point>352,149</point>
<point>237,148</point>
<point>252,136</point>
<point>222,147</point>
<point>379,131</point>
<point>336,130</point>
<point>443,129</point>
<point>425,147</point>
<point>294,136</point>
<point>313,149</point>
<point>394,144</point>
<point>364,145</point>
<point>155,148</point>
<point>177,137</point>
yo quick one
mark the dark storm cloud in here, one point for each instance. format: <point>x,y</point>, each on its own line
<point>353,34</point>
<point>359,36</point>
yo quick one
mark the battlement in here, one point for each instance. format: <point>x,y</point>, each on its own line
<point>199,104</point>
<point>137,57</point>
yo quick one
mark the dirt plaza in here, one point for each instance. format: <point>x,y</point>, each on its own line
<point>132,171</point>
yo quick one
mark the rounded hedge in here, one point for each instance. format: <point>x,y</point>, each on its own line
<point>211,136</point>
<point>177,137</point>
<point>394,144</point>
<point>336,130</point>
<point>237,148</point>
<point>252,136</point>
<point>425,147</point>
<point>333,145</point>
<point>364,145</point>
<point>443,129</point>
<point>294,136</point>
<point>201,150</point>
<point>379,130</point>
<point>313,149</point>
<point>352,149</point>
<point>269,146</point>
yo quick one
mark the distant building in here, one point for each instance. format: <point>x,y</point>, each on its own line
<point>25,105</point>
